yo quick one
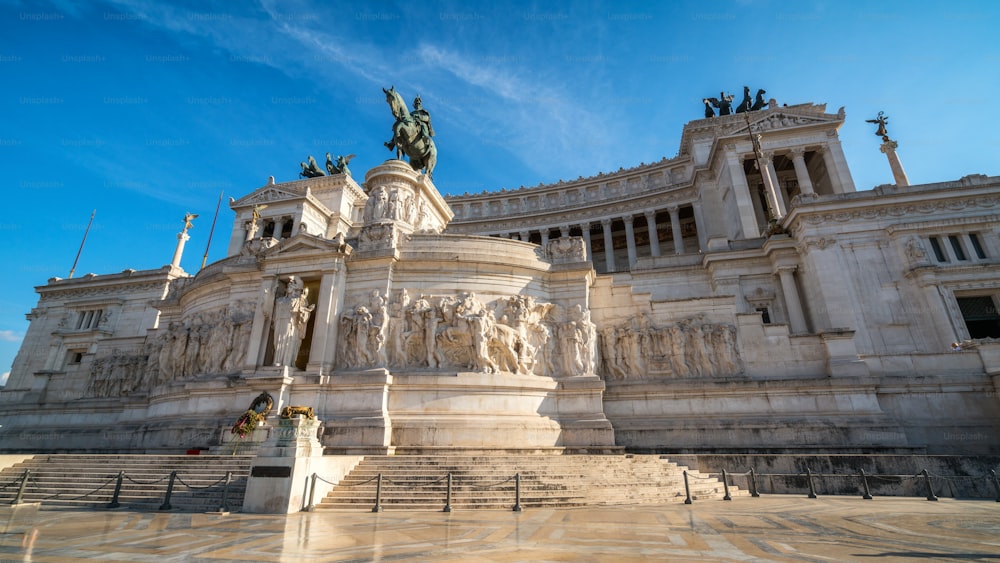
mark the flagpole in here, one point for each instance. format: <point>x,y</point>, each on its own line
<point>77,259</point>
<point>218,205</point>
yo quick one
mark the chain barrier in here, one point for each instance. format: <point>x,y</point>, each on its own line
<point>924,475</point>
<point>84,495</point>
<point>346,484</point>
<point>194,488</point>
<point>415,483</point>
<point>146,484</point>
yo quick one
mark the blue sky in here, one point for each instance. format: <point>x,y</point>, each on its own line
<point>146,110</point>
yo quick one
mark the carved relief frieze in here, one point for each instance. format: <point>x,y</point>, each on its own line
<point>636,349</point>
<point>514,334</point>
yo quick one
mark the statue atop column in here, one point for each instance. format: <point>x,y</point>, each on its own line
<point>889,149</point>
<point>882,120</point>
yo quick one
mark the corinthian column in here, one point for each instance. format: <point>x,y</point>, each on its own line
<point>654,237</point>
<point>609,245</point>
<point>801,172</point>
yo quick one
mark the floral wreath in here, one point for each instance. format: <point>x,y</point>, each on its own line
<point>251,419</point>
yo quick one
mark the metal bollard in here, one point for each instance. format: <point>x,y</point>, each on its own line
<point>517,492</point>
<point>118,489</point>
<point>867,494</point>
<point>725,486</point>
<point>447,500</point>
<point>930,489</point>
<point>687,489</point>
<point>753,484</point>
<point>224,507</point>
<point>996,483</point>
<point>312,494</point>
<point>24,485</point>
<point>170,490</point>
<point>812,488</point>
<point>378,494</point>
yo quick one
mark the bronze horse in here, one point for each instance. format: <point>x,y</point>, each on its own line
<point>409,135</point>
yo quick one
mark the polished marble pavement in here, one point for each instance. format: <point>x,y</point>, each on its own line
<point>770,528</point>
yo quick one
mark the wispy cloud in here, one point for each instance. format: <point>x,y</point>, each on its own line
<point>4,377</point>
<point>10,336</point>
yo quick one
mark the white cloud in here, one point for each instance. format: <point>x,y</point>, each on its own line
<point>10,336</point>
<point>4,377</point>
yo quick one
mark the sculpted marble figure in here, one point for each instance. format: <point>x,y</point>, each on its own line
<point>291,317</point>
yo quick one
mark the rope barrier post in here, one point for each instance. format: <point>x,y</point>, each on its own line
<point>378,494</point>
<point>170,490</point>
<point>224,507</point>
<point>753,484</point>
<point>24,485</point>
<point>447,500</point>
<point>517,492</point>
<point>725,486</point>
<point>312,494</point>
<point>812,488</point>
<point>996,483</point>
<point>687,489</point>
<point>867,493</point>
<point>930,489</point>
<point>118,488</point>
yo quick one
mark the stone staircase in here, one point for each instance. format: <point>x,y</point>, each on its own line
<point>88,481</point>
<point>411,482</point>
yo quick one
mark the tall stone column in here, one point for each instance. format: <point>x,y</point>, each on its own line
<point>545,238</point>
<point>525,236</point>
<point>675,229</point>
<point>322,353</point>
<point>741,195</point>
<point>836,166</point>
<point>179,251</point>
<point>796,318</point>
<point>261,322</point>
<point>898,174</point>
<point>630,239</point>
<point>564,231</point>
<point>801,171</point>
<point>609,245</point>
<point>654,237</point>
<point>699,225</point>
<point>585,228</point>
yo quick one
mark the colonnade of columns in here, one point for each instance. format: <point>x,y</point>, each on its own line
<point>609,236</point>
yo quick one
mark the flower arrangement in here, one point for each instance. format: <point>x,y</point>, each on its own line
<point>247,423</point>
<point>254,416</point>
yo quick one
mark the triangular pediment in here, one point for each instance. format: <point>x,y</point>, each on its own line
<point>304,242</point>
<point>777,120</point>
<point>265,195</point>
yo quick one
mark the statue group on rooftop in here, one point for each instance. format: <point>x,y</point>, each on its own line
<point>724,103</point>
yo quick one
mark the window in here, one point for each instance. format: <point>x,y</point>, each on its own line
<point>956,245</point>
<point>958,248</point>
<point>938,251</point>
<point>980,315</point>
<point>976,246</point>
<point>765,315</point>
<point>89,319</point>
<point>74,357</point>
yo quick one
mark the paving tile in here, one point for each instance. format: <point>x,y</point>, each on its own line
<point>771,528</point>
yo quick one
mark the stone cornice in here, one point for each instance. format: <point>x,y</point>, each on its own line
<point>909,203</point>
<point>129,281</point>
